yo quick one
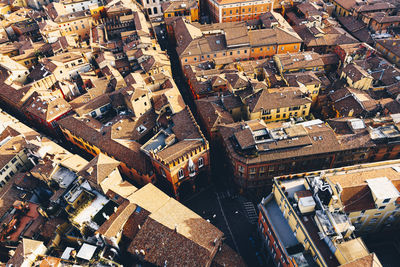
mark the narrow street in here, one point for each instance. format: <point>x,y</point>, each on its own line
<point>220,202</point>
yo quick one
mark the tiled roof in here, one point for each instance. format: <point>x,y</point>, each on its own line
<point>264,100</point>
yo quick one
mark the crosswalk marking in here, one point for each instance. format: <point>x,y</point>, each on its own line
<point>251,212</point>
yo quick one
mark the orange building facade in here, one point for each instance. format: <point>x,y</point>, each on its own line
<point>236,10</point>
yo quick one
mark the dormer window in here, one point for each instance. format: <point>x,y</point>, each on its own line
<point>200,162</point>
<point>181,174</point>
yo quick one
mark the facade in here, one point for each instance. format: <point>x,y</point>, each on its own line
<point>186,9</point>
<point>256,152</point>
<point>302,61</point>
<point>390,49</point>
<point>276,104</point>
<point>153,8</point>
<point>74,18</point>
<point>14,157</point>
<point>225,11</point>
<point>307,82</point>
<point>348,102</point>
<point>231,41</point>
<point>46,111</point>
<point>180,154</point>
<point>356,77</point>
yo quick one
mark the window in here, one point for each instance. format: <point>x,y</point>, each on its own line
<point>271,168</point>
<point>163,172</point>
<point>13,160</point>
<point>76,27</point>
<point>200,162</point>
<point>381,208</point>
<point>262,169</point>
<point>93,114</point>
<point>266,112</point>
<point>83,26</point>
<point>240,168</point>
<point>386,200</point>
<point>181,174</point>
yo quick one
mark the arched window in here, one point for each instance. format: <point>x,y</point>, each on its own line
<point>155,11</point>
<point>149,11</point>
<point>180,174</point>
<point>200,162</point>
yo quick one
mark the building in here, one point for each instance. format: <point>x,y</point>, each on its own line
<point>186,9</point>
<point>231,41</point>
<point>13,149</point>
<point>225,11</point>
<point>304,61</point>
<point>12,71</point>
<point>70,22</point>
<point>278,104</point>
<point>303,222</point>
<point>356,77</point>
<point>213,112</point>
<point>349,52</point>
<point>347,102</point>
<point>66,65</point>
<point>323,39</point>
<point>46,111</point>
<point>256,152</point>
<point>27,253</point>
<point>343,8</point>
<point>307,82</point>
<point>180,153</point>
<point>390,49</point>
<point>382,22</point>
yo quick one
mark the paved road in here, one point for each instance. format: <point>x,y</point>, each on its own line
<point>226,211</point>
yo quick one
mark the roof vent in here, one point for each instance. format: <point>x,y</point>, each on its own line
<point>90,170</point>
